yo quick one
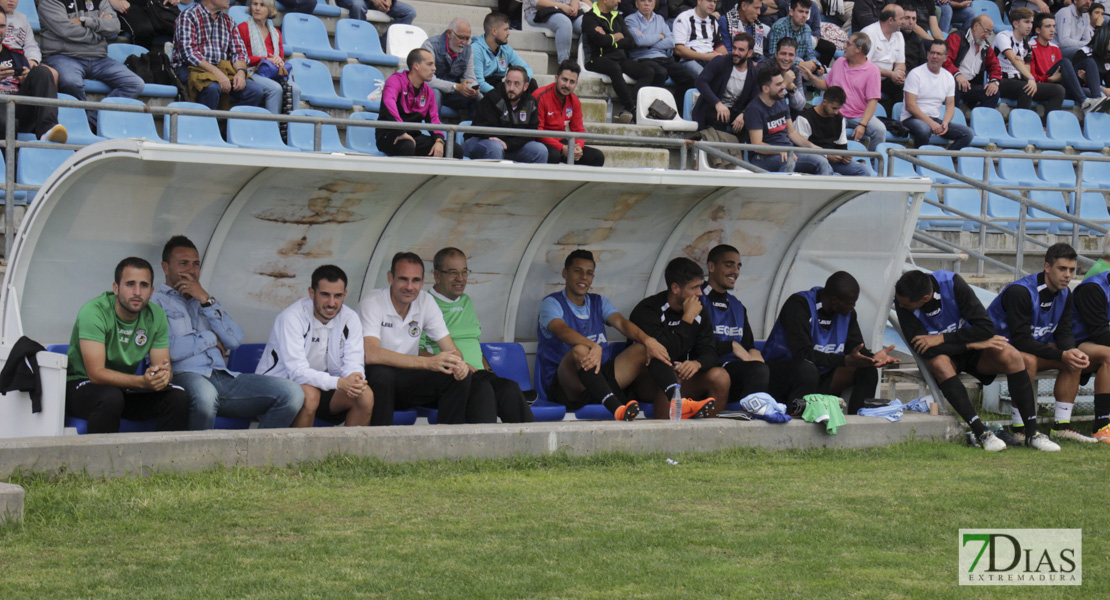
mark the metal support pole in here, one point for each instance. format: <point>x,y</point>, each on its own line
<point>9,183</point>
<point>317,136</point>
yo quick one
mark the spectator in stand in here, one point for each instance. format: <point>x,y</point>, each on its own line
<point>407,98</point>
<point>492,53</point>
<point>508,106</point>
<point>74,41</point>
<point>925,26</point>
<point>401,13</point>
<point>792,73</point>
<point>1037,6</point>
<point>1098,15</point>
<point>888,51</point>
<point>1049,65</point>
<point>973,63</point>
<point>767,119</point>
<point>954,13</point>
<point>744,18</point>
<point>697,39</point>
<point>1014,55</point>
<point>655,46</point>
<point>149,23</point>
<point>304,7</point>
<point>19,36</point>
<point>266,57</point>
<point>210,58</point>
<point>1073,27</point>
<point>726,87</point>
<point>795,26</point>
<point>915,44</point>
<point>823,125</point>
<point>607,41</point>
<point>864,13</point>
<point>930,102</point>
<point>1100,49</point>
<point>560,110</point>
<point>562,17</point>
<point>455,83</point>
<point>858,79</point>
<point>18,77</point>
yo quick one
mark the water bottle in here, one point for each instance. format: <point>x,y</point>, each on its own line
<point>676,404</point>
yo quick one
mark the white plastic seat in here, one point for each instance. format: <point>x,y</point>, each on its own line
<point>402,39</point>
<point>646,96</point>
<point>703,165</point>
<point>588,74</point>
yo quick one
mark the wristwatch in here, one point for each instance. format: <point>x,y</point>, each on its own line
<point>211,301</point>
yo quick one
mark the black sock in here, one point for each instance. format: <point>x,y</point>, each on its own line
<point>1102,411</point>
<point>956,395</point>
<point>1021,394</point>
<point>599,390</point>
<point>863,387</point>
<point>663,375</point>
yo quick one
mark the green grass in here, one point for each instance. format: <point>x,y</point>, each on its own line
<point>740,524</point>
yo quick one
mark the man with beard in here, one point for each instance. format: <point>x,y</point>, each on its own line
<point>560,110</point>
<point>726,87</point>
<point>736,350</point>
<point>507,106</point>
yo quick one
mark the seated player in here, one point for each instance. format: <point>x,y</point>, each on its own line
<point>1092,333</point>
<point>816,347</point>
<point>949,328</point>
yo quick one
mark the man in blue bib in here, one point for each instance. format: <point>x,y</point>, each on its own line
<point>735,346</point>
<point>1043,333</point>
<point>816,347</point>
<point>1092,332</point>
<point>949,328</point>
<point>573,366</point>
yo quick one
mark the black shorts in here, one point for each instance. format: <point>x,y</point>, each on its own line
<point>968,362</point>
<point>324,412</point>
<point>556,394</point>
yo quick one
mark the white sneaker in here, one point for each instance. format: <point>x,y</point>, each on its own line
<point>57,134</point>
<point>1041,442</point>
<point>1073,435</point>
<point>991,443</point>
<point>1019,435</point>
<point>1091,104</point>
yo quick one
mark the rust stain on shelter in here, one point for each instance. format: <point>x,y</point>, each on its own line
<point>300,247</point>
<point>331,204</point>
<point>624,203</point>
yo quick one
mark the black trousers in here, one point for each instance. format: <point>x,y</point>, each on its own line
<point>663,68</point>
<point>511,405</point>
<point>39,83</point>
<point>747,377</point>
<point>793,379</point>
<point>591,157</point>
<point>103,406</point>
<point>389,143</point>
<point>406,388</point>
<point>615,70</point>
<point>1051,95</point>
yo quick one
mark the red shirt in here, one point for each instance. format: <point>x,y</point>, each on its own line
<point>245,35</point>
<point>1042,58</point>
<point>559,115</point>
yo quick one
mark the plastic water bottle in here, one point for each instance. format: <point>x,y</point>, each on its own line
<point>676,404</point>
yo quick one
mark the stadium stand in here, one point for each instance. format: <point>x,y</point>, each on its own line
<point>360,41</point>
<point>306,34</point>
<point>1026,124</point>
<point>402,39</point>
<point>264,135</point>
<point>987,123</point>
<point>200,131</point>
<point>301,135</point>
<point>361,139</point>
<point>114,124</point>
<point>1064,127</point>
<point>316,84</point>
<point>360,83</point>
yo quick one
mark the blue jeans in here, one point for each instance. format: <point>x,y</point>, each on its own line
<point>564,29</point>
<point>961,135</point>
<point>250,95</point>
<point>814,164</point>
<point>1070,79</point>
<point>531,152</point>
<point>853,169</point>
<point>401,13</point>
<point>959,17</point>
<point>977,96</point>
<point>272,93</point>
<point>72,73</point>
<point>271,400</point>
<point>694,67</point>
<point>876,131</point>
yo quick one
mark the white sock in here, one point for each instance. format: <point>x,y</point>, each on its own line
<point>1015,416</point>
<point>1063,412</point>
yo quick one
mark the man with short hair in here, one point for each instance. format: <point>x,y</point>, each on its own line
<point>560,110</point>
<point>573,362</point>
<point>697,39</point>
<point>914,42</point>
<point>823,125</point>
<point>973,63</point>
<point>316,342</point>
<point>859,79</point>
<point>492,53</point>
<point>606,43</point>
<point>782,61</point>
<point>455,82</point>
<point>796,26</point>
<point>1036,314</point>
<point>201,332</point>
<point>744,18</point>
<point>816,347</point>
<point>451,273</point>
<point>1049,65</point>
<point>210,58</point>
<point>1014,54</point>
<point>112,335</point>
<point>735,344</point>
<point>888,50</point>
<point>923,26</point>
<point>949,329</point>
<point>1073,27</point>
<point>930,102</point>
<point>1091,327</point>
<point>74,40</point>
<point>767,119</point>
<point>407,97</point>
<point>508,106</point>
<point>725,88</point>
<point>393,319</point>
<point>654,46</point>
<point>20,77</point>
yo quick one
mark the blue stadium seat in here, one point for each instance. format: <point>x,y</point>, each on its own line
<point>361,139</point>
<point>1056,172</point>
<point>989,8</point>
<point>1025,123</point>
<point>1007,212</point>
<point>197,131</point>
<point>121,52</point>
<point>76,122</point>
<point>263,135</point>
<point>239,14</point>
<point>306,34</point>
<point>1053,200</point>
<point>927,218</point>
<point>316,85</point>
<point>1096,174</point>
<point>245,358</point>
<point>972,166</point>
<point>359,39</point>
<point>896,114</point>
<point>507,359</point>
<point>987,123</point>
<point>358,82</point>
<point>901,167</point>
<point>969,201</point>
<point>231,423</point>
<point>116,125</point>
<point>854,145</point>
<point>301,134</point>
<point>944,162</point>
<point>1096,126</point>
<point>323,9</point>
<point>1093,208</point>
<point>459,139</point>
<point>1019,170</point>
<point>34,165</point>
<point>28,8</point>
<point>20,197</point>
<point>1063,126</point>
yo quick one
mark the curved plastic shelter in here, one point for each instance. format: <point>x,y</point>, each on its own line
<point>263,220</point>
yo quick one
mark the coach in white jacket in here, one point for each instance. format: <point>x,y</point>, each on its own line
<point>317,342</point>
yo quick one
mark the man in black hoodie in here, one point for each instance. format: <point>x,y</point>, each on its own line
<point>509,106</point>
<point>607,38</point>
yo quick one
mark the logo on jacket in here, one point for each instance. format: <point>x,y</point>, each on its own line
<point>414,328</point>
<point>569,111</point>
<point>140,337</point>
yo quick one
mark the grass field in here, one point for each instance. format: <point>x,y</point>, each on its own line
<point>740,524</point>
